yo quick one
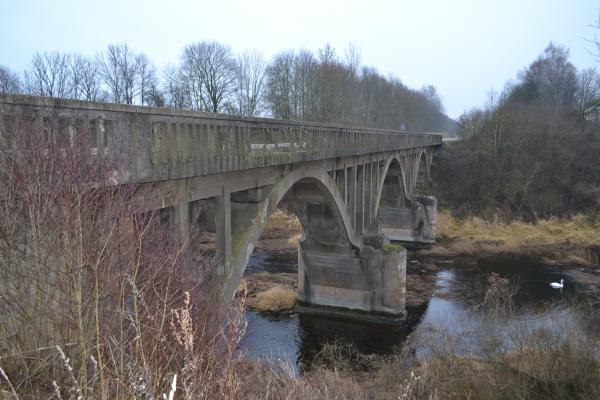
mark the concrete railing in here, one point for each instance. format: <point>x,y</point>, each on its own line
<point>160,144</point>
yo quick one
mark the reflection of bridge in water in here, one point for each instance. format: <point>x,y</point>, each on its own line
<point>353,189</point>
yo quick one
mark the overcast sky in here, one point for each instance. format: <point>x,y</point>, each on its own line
<point>463,47</point>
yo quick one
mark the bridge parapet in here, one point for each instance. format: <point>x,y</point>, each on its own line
<point>160,144</point>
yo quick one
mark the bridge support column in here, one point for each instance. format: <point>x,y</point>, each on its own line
<point>352,194</point>
<point>360,206</point>
<point>223,231</point>
<point>424,218</point>
<point>182,210</point>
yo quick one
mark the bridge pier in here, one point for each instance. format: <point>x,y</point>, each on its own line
<point>223,231</point>
<point>182,209</point>
<point>416,223</point>
<point>373,282</point>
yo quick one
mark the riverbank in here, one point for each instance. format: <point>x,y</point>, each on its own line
<point>570,245</point>
<point>571,241</point>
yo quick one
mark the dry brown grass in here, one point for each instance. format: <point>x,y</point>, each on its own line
<point>540,367</point>
<point>274,299</point>
<point>576,230</point>
<point>565,241</point>
<point>282,233</point>
<point>295,239</point>
<point>281,219</point>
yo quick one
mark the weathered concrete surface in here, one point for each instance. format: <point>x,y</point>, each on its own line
<point>415,224</point>
<point>346,185</point>
<point>165,144</point>
<point>373,282</point>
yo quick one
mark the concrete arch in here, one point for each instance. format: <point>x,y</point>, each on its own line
<point>421,173</point>
<point>250,229</point>
<point>407,216</point>
<point>423,161</point>
<point>381,180</point>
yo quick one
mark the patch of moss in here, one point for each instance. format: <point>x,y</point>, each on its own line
<point>392,247</point>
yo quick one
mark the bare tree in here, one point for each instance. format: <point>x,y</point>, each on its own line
<point>90,82</point>
<point>334,82</point>
<point>154,96</point>
<point>49,74</point>
<point>176,89</point>
<point>352,57</point>
<point>119,71</point>
<point>209,71</point>
<point>280,85</point>
<point>250,76</point>
<point>431,94</point>
<point>76,71</point>
<point>9,81</point>
<point>551,79</point>
<point>587,95</point>
<point>147,81</point>
<point>304,85</point>
<point>85,78</point>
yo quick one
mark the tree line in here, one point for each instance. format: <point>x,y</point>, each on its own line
<point>316,86</point>
<point>533,150</point>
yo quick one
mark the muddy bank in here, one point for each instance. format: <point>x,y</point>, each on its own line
<point>553,254</point>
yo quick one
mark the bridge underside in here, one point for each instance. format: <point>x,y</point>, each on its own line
<point>354,189</point>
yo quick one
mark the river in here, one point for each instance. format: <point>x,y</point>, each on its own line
<point>454,311</point>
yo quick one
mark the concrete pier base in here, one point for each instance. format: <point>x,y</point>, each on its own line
<point>416,224</point>
<point>344,283</point>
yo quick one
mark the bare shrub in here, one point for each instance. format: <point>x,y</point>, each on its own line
<point>99,296</point>
<point>87,267</point>
<point>498,299</point>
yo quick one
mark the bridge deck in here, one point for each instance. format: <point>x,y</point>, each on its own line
<point>161,144</point>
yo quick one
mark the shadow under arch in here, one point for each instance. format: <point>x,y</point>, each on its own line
<point>316,201</point>
<point>398,176</point>
<point>422,177</point>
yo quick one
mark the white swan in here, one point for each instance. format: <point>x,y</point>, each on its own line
<point>556,285</point>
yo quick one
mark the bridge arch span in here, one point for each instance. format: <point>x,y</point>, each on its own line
<point>317,202</point>
<point>414,168</point>
<point>401,208</point>
<point>395,163</point>
<point>423,169</point>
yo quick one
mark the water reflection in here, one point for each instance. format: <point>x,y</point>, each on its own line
<point>453,315</point>
<point>295,338</point>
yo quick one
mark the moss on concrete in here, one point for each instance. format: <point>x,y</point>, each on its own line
<point>392,247</point>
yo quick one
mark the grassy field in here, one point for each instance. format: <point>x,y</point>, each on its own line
<point>566,241</point>
<point>576,230</point>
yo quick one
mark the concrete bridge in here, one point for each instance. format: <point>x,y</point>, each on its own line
<point>353,189</point>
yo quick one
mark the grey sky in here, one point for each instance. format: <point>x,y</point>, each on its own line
<point>463,47</point>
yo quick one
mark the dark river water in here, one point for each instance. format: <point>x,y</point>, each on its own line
<point>454,311</point>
